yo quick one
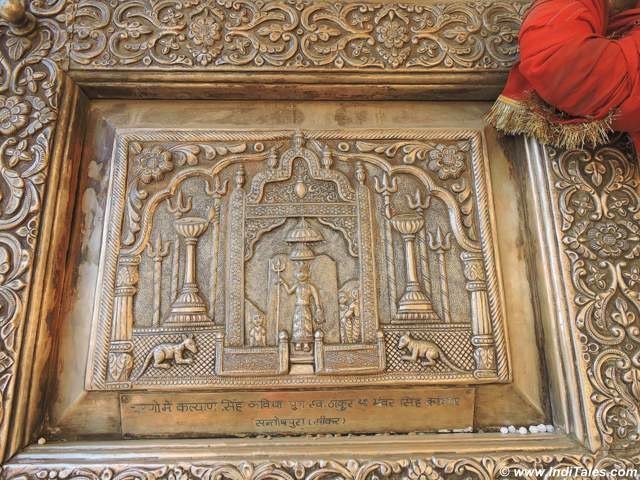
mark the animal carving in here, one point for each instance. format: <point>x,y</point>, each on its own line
<point>167,354</point>
<point>423,351</point>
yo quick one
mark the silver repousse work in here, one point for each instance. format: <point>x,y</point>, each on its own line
<point>298,258</point>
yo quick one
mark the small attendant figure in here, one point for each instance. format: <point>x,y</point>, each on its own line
<point>257,332</point>
<point>349,316</point>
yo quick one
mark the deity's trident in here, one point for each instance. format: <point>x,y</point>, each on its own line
<point>157,252</point>
<point>217,191</point>
<point>440,244</point>
<point>278,267</point>
<point>386,186</point>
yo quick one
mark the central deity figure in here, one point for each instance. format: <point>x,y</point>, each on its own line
<point>307,301</point>
<point>307,305</point>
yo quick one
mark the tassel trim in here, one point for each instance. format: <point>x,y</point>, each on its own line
<point>527,118</point>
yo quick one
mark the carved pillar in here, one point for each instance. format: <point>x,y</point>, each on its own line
<point>217,191</point>
<point>369,290</point>
<point>189,308</point>
<point>414,303</point>
<point>235,264</point>
<point>482,340</point>
<point>420,205</point>
<point>319,351</point>
<point>121,346</point>
<point>283,353</point>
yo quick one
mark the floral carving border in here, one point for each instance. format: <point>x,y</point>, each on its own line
<point>30,94</point>
<point>597,199</point>
<point>481,468</point>
<point>295,35</point>
<point>596,193</point>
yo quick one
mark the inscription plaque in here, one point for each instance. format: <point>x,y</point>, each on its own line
<point>252,259</point>
<point>366,411</point>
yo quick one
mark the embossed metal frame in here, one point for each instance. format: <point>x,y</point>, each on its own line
<point>594,376</point>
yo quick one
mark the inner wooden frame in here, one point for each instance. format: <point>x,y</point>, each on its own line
<point>583,444</point>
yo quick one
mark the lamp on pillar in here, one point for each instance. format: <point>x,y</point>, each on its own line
<point>189,308</point>
<point>414,303</point>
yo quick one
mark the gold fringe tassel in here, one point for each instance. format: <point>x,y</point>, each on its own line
<point>513,118</point>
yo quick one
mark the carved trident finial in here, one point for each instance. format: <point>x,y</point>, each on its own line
<point>181,206</point>
<point>418,203</point>
<point>386,186</point>
<point>219,188</point>
<point>217,192</point>
<point>438,242</point>
<point>158,249</point>
<point>277,265</point>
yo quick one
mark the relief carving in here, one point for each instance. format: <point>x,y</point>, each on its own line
<point>189,307</point>
<point>424,352</point>
<point>414,303</point>
<point>218,35</point>
<point>167,354</point>
<point>597,212</point>
<point>31,52</point>
<point>281,273</point>
<point>434,468</point>
<point>599,207</point>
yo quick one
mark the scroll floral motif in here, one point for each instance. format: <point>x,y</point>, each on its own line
<point>480,468</point>
<point>296,34</point>
<point>599,205</point>
<point>447,161</point>
<point>29,93</point>
<point>152,163</point>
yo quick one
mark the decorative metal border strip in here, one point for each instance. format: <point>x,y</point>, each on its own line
<point>295,35</point>
<point>58,35</point>
<point>481,468</point>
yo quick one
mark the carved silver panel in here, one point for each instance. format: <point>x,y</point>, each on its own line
<point>275,258</point>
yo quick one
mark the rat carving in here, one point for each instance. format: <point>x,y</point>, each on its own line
<point>165,354</point>
<point>427,353</point>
